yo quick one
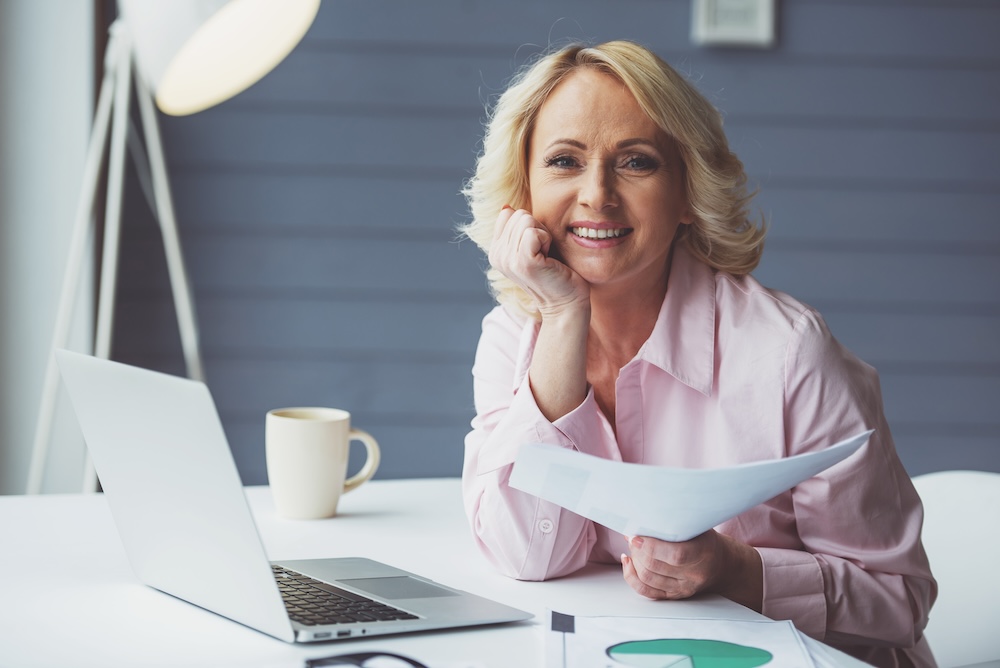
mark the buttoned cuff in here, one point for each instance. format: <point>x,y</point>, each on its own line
<point>582,428</point>
<point>793,589</point>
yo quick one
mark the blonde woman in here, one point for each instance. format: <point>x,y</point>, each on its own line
<point>616,222</point>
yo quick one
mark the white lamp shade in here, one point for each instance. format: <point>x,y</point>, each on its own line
<point>195,54</point>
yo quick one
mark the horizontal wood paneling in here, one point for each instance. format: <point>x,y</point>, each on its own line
<point>957,34</point>
<point>923,160</point>
<point>288,326</point>
<point>424,388</point>
<point>879,277</point>
<point>260,263</point>
<point>374,207</point>
<point>893,221</point>
<point>925,450</point>
<point>923,340</point>
<point>311,140</point>
<point>318,209</point>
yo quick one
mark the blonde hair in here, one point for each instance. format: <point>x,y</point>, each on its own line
<point>721,233</point>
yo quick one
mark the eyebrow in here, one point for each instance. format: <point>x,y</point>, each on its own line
<point>625,143</point>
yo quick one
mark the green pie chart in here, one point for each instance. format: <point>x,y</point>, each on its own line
<point>687,653</point>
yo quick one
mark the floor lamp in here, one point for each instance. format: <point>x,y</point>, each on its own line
<point>187,55</point>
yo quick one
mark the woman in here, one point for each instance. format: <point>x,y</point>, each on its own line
<point>628,327</point>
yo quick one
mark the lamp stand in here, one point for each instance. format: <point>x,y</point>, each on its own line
<point>112,115</point>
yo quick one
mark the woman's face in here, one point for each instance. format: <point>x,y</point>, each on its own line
<point>606,182</point>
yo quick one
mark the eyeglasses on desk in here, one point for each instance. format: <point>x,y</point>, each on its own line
<point>366,660</point>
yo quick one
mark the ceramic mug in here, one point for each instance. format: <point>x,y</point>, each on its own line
<point>307,451</point>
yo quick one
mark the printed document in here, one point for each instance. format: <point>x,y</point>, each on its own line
<point>671,504</point>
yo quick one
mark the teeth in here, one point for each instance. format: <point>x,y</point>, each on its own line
<point>591,233</point>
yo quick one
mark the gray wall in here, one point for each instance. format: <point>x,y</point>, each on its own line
<point>317,209</point>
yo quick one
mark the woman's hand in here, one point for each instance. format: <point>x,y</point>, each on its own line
<point>711,562</point>
<point>521,251</point>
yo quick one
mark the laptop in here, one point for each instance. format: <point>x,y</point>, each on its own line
<point>178,503</point>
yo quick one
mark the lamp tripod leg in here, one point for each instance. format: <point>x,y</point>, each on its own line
<point>183,303</point>
<point>112,226</point>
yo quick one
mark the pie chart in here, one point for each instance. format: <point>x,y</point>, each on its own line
<point>687,653</point>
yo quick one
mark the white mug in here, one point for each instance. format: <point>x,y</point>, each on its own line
<point>307,451</point>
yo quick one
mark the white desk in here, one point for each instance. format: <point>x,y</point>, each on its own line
<point>68,596</point>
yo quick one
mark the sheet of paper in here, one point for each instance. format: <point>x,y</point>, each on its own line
<point>667,503</point>
<point>652,642</point>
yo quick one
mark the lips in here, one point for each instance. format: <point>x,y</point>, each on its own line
<point>587,232</point>
<point>591,233</point>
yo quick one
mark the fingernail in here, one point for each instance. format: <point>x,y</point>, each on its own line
<point>623,559</point>
<point>636,542</point>
<point>506,206</point>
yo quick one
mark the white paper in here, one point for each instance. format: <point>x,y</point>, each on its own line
<point>671,504</point>
<point>650,642</point>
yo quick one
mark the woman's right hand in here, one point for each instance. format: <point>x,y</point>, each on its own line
<point>521,251</point>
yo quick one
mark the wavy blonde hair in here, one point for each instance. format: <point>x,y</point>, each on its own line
<point>721,233</point>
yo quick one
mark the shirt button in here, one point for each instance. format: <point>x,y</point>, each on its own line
<point>546,526</point>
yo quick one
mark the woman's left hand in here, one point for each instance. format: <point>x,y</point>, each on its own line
<point>711,562</point>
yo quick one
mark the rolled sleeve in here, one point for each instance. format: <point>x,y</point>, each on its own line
<point>794,589</point>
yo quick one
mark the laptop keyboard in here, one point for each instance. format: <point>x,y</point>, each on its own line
<point>314,603</point>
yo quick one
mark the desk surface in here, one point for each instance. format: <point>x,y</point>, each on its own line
<point>68,596</point>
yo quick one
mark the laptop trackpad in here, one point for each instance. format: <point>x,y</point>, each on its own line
<point>397,587</point>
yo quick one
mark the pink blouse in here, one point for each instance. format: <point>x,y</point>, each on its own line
<point>732,373</point>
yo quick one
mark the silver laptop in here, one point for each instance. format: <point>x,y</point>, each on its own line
<point>179,507</point>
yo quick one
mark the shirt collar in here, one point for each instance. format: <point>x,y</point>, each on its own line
<point>683,340</point>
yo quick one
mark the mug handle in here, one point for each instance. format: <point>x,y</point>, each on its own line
<point>371,462</point>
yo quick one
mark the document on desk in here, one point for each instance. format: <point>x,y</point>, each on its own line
<point>671,504</point>
<point>645,642</point>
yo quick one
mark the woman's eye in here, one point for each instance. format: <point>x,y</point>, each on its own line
<point>639,163</point>
<point>561,161</point>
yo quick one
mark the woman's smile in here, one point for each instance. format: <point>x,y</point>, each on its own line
<point>599,236</point>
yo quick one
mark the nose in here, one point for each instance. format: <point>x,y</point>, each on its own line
<point>597,190</point>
